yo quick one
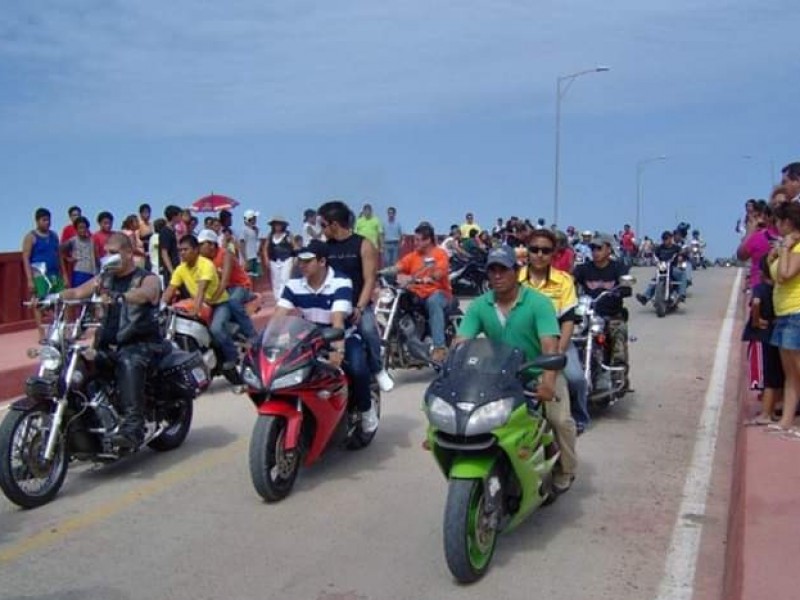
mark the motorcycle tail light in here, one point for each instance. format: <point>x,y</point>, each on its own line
<point>601,339</point>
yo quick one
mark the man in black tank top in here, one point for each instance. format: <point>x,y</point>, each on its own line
<point>130,329</point>
<point>357,258</point>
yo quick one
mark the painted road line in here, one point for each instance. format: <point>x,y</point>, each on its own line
<point>681,562</point>
<point>96,514</point>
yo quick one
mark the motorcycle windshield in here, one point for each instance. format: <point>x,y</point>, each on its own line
<point>285,334</point>
<point>480,371</point>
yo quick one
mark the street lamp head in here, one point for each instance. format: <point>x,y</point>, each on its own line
<point>602,69</point>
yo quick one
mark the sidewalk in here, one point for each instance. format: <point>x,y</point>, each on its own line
<point>16,367</point>
<point>764,532</point>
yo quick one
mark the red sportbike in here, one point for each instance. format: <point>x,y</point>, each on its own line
<point>304,404</point>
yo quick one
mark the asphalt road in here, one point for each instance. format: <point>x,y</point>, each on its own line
<point>367,525</point>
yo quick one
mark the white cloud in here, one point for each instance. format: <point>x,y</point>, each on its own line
<point>252,66</point>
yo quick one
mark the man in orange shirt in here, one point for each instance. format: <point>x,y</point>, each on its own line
<point>232,277</point>
<point>426,272</point>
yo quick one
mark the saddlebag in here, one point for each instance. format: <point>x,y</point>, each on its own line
<point>181,373</point>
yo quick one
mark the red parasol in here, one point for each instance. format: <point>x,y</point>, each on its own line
<point>213,203</point>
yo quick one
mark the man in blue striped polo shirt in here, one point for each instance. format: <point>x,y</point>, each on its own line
<point>324,297</point>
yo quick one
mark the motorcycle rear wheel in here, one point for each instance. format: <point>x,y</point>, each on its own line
<point>469,539</point>
<point>272,471</point>
<point>23,437</point>
<point>180,421</point>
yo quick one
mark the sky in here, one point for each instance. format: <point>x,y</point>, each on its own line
<point>437,108</point>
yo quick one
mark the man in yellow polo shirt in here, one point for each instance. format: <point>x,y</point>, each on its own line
<point>560,288</point>
<point>198,276</point>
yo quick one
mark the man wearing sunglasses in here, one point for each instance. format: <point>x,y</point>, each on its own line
<point>560,288</point>
<point>601,274</point>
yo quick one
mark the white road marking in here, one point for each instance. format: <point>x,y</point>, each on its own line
<point>681,563</point>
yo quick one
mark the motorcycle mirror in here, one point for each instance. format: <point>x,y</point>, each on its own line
<point>332,334</point>
<point>110,262</point>
<point>546,362</point>
<point>627,280</point>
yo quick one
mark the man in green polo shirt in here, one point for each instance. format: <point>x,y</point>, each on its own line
<point>370,227</point>
<point>524,318</point>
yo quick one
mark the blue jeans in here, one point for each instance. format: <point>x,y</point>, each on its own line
<point>238,296</point>
<point>677,277</point>
<point>391,253</point>
<point>578,391</point>
<point>219,331</point>
<point>368,329</point>
<point>436,304</point>
<point>355,365</point>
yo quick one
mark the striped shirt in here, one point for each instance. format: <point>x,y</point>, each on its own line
<point>317,306</point>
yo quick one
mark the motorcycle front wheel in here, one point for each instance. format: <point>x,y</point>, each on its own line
<point>26,478</point>
<point>659,300</point>
<point>272,469</point>
<point>469,536</point>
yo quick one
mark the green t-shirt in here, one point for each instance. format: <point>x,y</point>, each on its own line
<point>530,319</point>
<point>369,228</point>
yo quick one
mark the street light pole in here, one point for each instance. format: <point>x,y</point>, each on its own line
<point>563,84</point>
<point>639,191</point>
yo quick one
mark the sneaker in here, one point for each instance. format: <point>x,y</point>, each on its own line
<point>439,355</point>
<point>369,420</point>
<point>642,299</point>
<point>562,482</point>
<point>385,381</point>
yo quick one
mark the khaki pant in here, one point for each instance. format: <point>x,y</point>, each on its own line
<point>560,418</point>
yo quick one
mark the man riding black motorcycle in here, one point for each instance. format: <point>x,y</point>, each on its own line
<point>669,252</point>
<point>129,339</point>
<point>597,276</point>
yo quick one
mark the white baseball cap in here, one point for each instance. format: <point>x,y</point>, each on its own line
<point>207,235</point>
<point>250,214</point>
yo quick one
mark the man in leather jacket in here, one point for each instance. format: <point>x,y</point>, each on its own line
<point>129,336</point>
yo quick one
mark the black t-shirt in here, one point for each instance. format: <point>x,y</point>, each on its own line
<point>168,241</point>
<point>667,253</point>
<point>345,256</point>
<point>595,280</point>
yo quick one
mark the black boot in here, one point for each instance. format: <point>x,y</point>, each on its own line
<point>131,372</point>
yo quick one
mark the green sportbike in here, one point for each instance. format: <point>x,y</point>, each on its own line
<point>490,439</point>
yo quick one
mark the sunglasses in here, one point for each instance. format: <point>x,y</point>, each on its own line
<point>323,224</point>
<point>545,250</point>
<point>594,247</point>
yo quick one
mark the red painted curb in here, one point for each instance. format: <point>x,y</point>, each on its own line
<point>732,584</point>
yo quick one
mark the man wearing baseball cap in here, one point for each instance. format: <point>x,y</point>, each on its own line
<point>232,278</point>
<point>526,319</point>
<point>325,297</point>
<point>593,278</point>
<point>250,243</point>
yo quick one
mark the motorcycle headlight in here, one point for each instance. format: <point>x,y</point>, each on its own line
<point>598,324</point>
<point>491,415</point>
<point>251,379</point>
<point>441,414</point>
<point>386,296</point>
<point>662,267</point>
<point>50,358</point>
<point>290,379</point>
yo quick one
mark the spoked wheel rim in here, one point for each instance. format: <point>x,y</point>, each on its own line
<point>481,534</point>
<point>32,474</point>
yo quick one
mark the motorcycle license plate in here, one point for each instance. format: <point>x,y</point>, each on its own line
<point>199,375</point>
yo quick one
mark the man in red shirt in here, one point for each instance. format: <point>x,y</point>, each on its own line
<point>426,271</point>
<point>564,256</point>
<point>232,277</point>
<point>628,243</point>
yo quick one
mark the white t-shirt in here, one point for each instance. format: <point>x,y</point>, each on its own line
<point>312,231</point>
<point>251,238</point>
<point>447,245</point>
